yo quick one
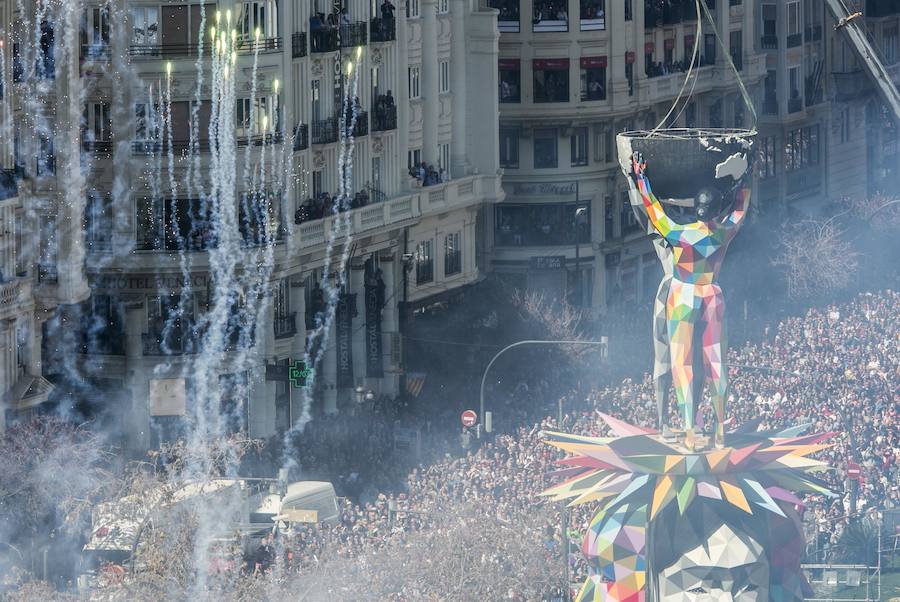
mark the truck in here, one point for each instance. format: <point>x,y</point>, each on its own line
<point>246,510</point>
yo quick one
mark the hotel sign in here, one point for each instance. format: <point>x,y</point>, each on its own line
<point>545,189</point>
<point>148,281</point>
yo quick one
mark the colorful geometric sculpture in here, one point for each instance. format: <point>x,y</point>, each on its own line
<point>690,525</point>
<point>710,169</point>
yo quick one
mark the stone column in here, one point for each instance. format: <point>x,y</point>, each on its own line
<point>401,91</point>
<point>137,428</point>
<point>7,380</point>
<point>261,401</point>
<point>7,242</point>
<point>429,74</point>
<point>126,177</point>
<point>72,286</point>
<point>35,336</point>
<point>459,159</point>
<point>297,298</point>
<point>598,220</point>
<point>6,350</point>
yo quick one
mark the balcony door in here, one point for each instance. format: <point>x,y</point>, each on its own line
<point>175,26</point>
<point>316,87</point>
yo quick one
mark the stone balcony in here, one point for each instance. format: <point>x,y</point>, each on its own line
<point>423,201</point>
<point>15,297</point>
<point>713,77</point>
<point>312,235</point>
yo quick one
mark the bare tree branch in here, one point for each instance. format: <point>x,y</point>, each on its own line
<point>817,258</point>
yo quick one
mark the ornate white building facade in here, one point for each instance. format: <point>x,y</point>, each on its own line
<point>113,150</point>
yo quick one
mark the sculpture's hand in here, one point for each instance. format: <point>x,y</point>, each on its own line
<point>638,165</point>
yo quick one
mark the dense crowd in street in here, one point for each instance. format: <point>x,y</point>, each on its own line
<point>836,368</point>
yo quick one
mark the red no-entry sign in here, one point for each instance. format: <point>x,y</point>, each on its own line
<point>469,418</point>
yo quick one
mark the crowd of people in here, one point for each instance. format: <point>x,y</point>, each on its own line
<point>658,69</point>
<point>323,205</point>
<point>550,10</point>
<point>592,10</point>
<point>509,9</point>
<point>427,175</point>
<point>551,85</point>
<point>329,31</point>
<point>325,30</point>
<point>836,368</point>
<point>384,116</point>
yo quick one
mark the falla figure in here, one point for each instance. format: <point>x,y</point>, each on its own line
<point>698,250</point>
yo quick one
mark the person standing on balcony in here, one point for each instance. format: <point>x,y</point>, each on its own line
<point>387,10</point>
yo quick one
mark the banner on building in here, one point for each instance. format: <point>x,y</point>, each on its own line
<point>374,364</point>
<point>343,318</point>
<point>414,382</point>
<point>168,397</point>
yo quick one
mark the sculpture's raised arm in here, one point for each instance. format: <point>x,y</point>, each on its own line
<point>733,221</point>
<point>655,212</point>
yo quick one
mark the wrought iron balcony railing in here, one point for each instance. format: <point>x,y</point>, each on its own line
<point>96,146</point>
<point>180,50</point>
<point>301,137</point>
<point>9,187</point>
<point>361,125</point>
<point>285,326</point>
<point>139,147</point>
<point>384,119</point>
<point>383,30</point>
<point>325,131</point>
<point>299,45</point>
<point>354,34</point>
<point>323,40</point>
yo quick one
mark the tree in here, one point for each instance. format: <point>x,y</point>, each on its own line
<point>51,475</point>
<point>879,212</point>
<point>817,258</point>
<point>464,554</point>
<point>556,320</point>
<point>57,476</point>
<point>183,511</point>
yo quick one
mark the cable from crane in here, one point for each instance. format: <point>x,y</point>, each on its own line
<point>701,6</point>
<point>694,55</point>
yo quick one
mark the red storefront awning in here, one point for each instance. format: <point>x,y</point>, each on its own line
<point>510,64</point>
<point>648,47</point>
<point>629,58</point>
<point>669,44</point>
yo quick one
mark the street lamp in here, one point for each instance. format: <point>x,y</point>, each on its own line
<point>360,394</point>
<point>517,344</point>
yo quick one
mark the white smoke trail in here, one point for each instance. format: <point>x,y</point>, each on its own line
<point>341,228</point>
